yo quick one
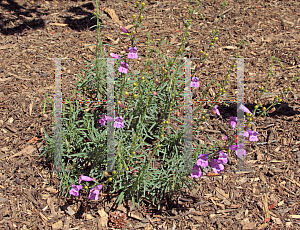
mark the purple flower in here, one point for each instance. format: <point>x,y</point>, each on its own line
<point>222,158</point>
<point>85,178</point>
<point>203,160</point>
<point>196,172</point>
<point>104,119</point>
<point>123,68</point>
<point>94,193</point>
<point>215,111</point>
<point>244,108</point>
<point>114,55</point>
<point>195,82</point>
<point>244,133</point>
<point>75,190</point>
<point>240,151</point>
<point>132,53</point>
<point>235,147</point>
<point>233,122</point>
<point>253,135</point>
<point>119,122</point>
<point>223,137</point>
<point>123,29</point>
<point>216,166</point>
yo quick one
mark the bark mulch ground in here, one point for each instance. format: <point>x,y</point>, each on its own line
<point>31,31</point>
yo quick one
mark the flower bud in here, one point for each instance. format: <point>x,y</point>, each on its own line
<point>223,137</point>
<point>272,110</point>
<point>154,93</point>
<point>156,81</point>
<point>121,104</point>
<point>123,29</point>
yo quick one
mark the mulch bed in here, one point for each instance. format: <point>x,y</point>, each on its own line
<point>265,197</point>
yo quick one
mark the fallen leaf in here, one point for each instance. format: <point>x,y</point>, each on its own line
<point>33,140</point>
<point>129,27</point>
<point>113,15</point>
<point>211,174</point>
<point>28,150</point>
<point>272,206</point>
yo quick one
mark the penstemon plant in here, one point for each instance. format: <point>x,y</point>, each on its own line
<point>149,159</point>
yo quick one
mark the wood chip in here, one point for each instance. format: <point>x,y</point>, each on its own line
<point>51,206</point>
<point>70,211</point>
<point>57,24</point>
<point>295,216</point>
<point>102,222</point>
<point>66,224</point>
<point>266,207</point>
<point>130,214</point>
<point>229,47</point>
<point>263,226</point>
<point>57,225</point>
<point>5,79</point>
<point>18,77</point>
<point>293,181</point>
<point>51,190</point>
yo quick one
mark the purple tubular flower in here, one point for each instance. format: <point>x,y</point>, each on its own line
<point>85,178</point>
<point>94,193</point>
<point>123,68</point>
<point>215,111</point>
<point>253,135</point>
<point>240,151</point>
<point>233,122</point>
<point>114,55</point>
<point>222,158</point>
<point>132,53</point>
<point>119,122</point>
<point>75,190</point>
<point>244,108</point>
<point>195,82</point>
<point>123,29</point>
<point>104,119</point>
<point>196,172</point>
<point>235,147</point>
<point>216,166</point>
<point>203,160</point>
